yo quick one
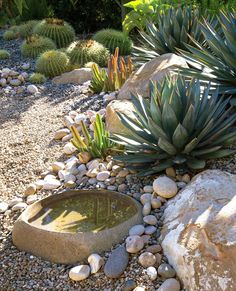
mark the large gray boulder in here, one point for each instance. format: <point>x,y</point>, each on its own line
<point>154,70</point>
<point>199,232</point>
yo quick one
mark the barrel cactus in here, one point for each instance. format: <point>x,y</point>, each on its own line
<point>4,54</point>
<point>37,78</point>
<point>112,39</point>
<point>52,63</point>
<point>26,29</point>
<point>84,51</point>
<point>34,45</point>
<point>11,33</point>
<point>58,30</point>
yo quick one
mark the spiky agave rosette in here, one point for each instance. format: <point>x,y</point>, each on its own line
<point>61,32</point>
<point>177,126</point>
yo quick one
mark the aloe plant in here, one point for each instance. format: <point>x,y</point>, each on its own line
<point>179,126</point>
<point>220,58</point>
<point>98,146</point>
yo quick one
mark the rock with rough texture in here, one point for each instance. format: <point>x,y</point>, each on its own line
<point>77,76</point>
<point>137,230</point>
<point>199,232</point>
<point>165,187</point>
<point>154,70</point>
<point>117,263</point>
<point>32,89</point>
<point>79,273</point>
<point>95,262</point>
<point>170,285</point>
<point>113,123</point>
<point>147,259</point>
<point>134,244</point>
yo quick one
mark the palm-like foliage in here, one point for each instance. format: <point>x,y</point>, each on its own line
<point>220,58</point>
<point>179,125</point>
<point>171,32</point>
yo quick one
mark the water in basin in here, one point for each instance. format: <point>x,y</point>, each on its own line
<point>84,212</point>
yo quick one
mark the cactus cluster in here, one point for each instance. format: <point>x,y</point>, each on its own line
<point>4,54</point>
<point>34,45</point>
<point>26,29</point>
<point>58,30</point>
<point>112,39</point>
<point>52,63</point>
<point>11,33</point>
<point>37,78</point>
<point>84,51</point>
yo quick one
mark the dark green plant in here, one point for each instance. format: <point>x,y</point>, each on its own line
<point>37,78</point>
<point>170,34</point>
<point>11,33</point>
<point>4,54</point>
<point>34,45</point>
<point>112,39</point>
<point>98,146</point>
<point>84,51</point>
<point>116,75</point>
<point>178,126</point>
<point>26,29</point>
<point>52,63</point>
<point>220,58</point>
<point>58,30</point>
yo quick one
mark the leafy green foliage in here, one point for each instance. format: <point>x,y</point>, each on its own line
<point>26,29</point>
<point>179,126</point>
<point>36,10</point>
<point>113,79</point>
<point>84,51</point>
<point>58,30</point>
<point>52,63</point>
<point>220,58</point>
<point>4,54</point>
<point>98,146</point>
<point>37,78</point>
<point>112,39</point>
<point>171,33</point>
<point>34,45</point>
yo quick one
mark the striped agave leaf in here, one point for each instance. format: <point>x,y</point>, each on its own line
<point>178,125</point>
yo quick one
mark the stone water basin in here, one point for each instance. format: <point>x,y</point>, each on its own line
<point>68,227</point>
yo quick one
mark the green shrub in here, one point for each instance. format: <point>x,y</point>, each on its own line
<point>26,29</point>
<point>170,34</point>
<point>11,33</point>
<point>52,63</point>
<point>220,58</point>
<point>37,78</point>
<point>34,45</point>
<point>56,29</point>
<point>98,146</point>
<point>4,54</point>
<point>112,39</point>
<point>84,51</point>
<point>177,126</point>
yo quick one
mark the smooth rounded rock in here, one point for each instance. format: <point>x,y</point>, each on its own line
<point>15,82</point>
<point>116,263</point>
<point>32,89</point>
<point>3,206</point>
<point>156,203</point>
<point>154,249</point>
<point>137,230</point>
<point>146,208</point>
<point>57,166</point>
<point>134,244</point>
<point>95,262</point>
<point>152,273</point>
<point>102,176</point>
<point>150,229</point>
<point>147,259</point>
<point>148,189</point>
<point>129,285</point>
<point>170,285</point>
<point>19,206</point>
<point>79,273</point>
<point>30,190</point>
<point>150,219</point>
<point>166,271</point>
<point>59,134</point>
<point>51,184</point>
<point>69,148</point>
<point>147,197</point>
<point>165,187</point>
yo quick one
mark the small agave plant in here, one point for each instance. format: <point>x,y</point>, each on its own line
<point>179,125</point>
<point>98,146</point>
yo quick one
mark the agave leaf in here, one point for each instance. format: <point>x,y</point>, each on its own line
<point>196,164</point>
<point>166,146</point>
<point>201,152</point>
<point>169,119</point>
<point>77,138</point>
<point>191,145</point>
<point>156,169</point>
<point>219,154</point>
